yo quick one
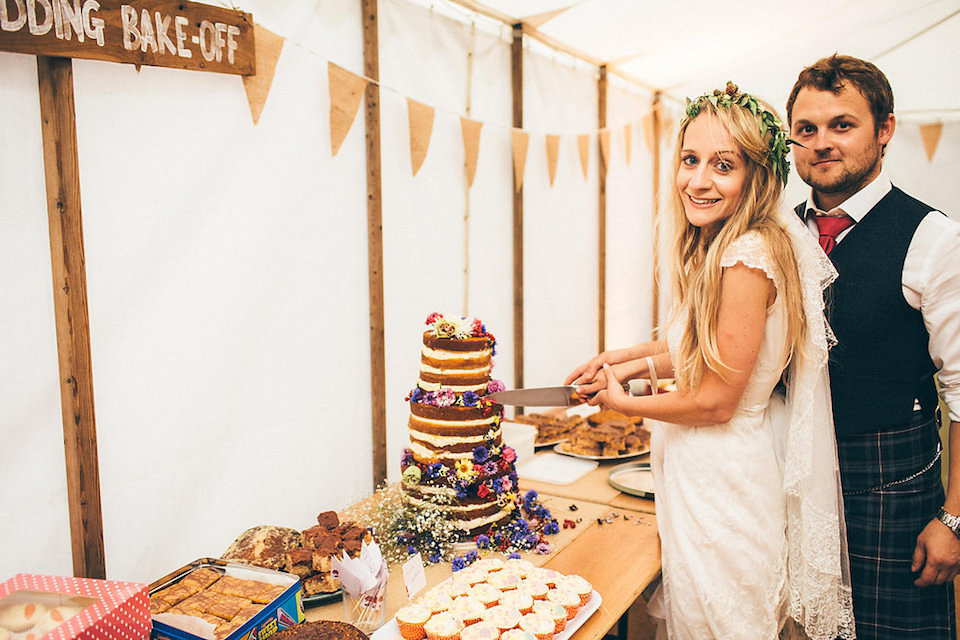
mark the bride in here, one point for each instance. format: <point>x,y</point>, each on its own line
<point>743,452</point>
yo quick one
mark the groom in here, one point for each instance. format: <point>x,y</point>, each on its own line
<point>895,309</point>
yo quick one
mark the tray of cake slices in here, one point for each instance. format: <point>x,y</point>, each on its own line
<point>497,598</point>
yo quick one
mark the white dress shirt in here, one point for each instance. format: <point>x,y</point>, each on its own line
<point>930,281</point>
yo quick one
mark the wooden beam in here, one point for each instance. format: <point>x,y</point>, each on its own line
<point>59,133</point>
<point>602,214</point>
<point>371,69</point>
<point>655,307</point>
<point>516,75</point>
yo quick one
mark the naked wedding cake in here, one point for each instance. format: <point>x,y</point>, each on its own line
<point>457,460</point>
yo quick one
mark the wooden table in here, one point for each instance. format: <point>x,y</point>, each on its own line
<point>614,545</point>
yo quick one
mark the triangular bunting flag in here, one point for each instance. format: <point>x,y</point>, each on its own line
<point>470,130</point>
<point>604,136</point>
<point>267,48</point>
<point>931,137</point>
<point>420,117</point>
<point>520,140</point>
<point>666,122</point>
<point>647,122</point>
<point>346,92</point>
<point>583,145</point>
<point>553,144</point>
<point>627,135</point>
<point>539,19</point>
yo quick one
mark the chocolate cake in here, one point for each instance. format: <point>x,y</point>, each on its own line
<point>457,460</point>
<point>321,630</point>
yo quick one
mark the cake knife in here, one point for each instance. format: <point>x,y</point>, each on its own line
<point>565,396</point>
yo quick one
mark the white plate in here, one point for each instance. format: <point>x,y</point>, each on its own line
<point>634,478</point>
<point>555,469</point>
<point>390,631</point>
<point>561,448</point>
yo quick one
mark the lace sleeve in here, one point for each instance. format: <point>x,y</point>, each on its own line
<point>751,250</point>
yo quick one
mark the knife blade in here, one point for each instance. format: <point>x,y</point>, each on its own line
<point>564,396</point>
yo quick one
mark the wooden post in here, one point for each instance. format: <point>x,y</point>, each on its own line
<point>656,214</point>
<point>59,131</point>
<point>602,214</point>
<point>516,74</point>
<point>371,69</point>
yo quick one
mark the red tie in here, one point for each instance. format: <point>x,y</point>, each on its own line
<point>830,227</point>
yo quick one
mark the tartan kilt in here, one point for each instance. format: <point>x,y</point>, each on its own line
<point>883,522</point>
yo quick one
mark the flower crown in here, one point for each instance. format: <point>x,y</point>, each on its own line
<point>765,119</point>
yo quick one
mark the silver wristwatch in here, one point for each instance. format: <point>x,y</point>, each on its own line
<point>952,521</point>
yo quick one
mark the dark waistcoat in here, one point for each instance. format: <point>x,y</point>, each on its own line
<point>881,362</point>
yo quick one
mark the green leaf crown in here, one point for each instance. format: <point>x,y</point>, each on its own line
<point>766,120</point>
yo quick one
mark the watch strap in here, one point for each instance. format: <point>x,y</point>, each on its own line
<point>951,521</point>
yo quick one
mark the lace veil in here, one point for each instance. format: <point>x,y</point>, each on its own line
<point>818,569</point>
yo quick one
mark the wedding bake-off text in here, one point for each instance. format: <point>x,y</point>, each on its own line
<point>180,34</point>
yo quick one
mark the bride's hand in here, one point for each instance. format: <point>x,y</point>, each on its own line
<point>587,372</point>
<point>611,394</point>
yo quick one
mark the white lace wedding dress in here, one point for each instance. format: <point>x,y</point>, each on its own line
<point>723,505</point>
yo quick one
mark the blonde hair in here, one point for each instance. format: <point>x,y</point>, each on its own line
<point>697,251</point>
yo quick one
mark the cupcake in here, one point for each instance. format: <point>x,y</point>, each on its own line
<point>566,599</point>
<point>518,566</point>
<point>517,599</point>
<point>548,577</point>
<point>578,585</point>
<point>468,609</point>
<point>410,621</point>
<point>553,611</point>
<point>55,617</point>
<point>489,564</point>
<point>536,589</point>
<point>488,594</point>
<point>518,634</point>
<point>21,617</point>
<point>480,631</point>
<point>470,576</point>
<point>443,626</point>
<point>540,626</point>
<point>503,617</point>
<point>504,580</point>
<point>451,588</point>
<point>436,601</point>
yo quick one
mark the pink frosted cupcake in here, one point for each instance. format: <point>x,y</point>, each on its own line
<point>518,634</point>
<point>566,599</point>
<point>548,577</point>
<point>443,626</point>
<point>518,566</point>
<point>553,611</point>
<point>451,588</point>
<point>540,626</point>
<point>578,584</point>
<point>469,576</point>
<point>480,631</point>
<point>536,589</point>
<point>410,621</point>
<point>502,617</point>
<point>488,594</point>
<point>503,580</point>
<point>436,601</point>
<point>489,564</point>
<point>523,602</point>
<point>468,609</point>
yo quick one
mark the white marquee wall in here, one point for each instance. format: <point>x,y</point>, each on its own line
<point>227,271</point>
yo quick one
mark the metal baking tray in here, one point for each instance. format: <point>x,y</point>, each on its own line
<point>634,478</point>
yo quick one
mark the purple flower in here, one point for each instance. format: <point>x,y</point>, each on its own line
<point>542,548</point>
<point>411,549</point>
<point>489,467</point>
<point>461,488</point>
<point>494,386</point>
<point>469,398</point>
<point>458,563</point>
<point>471,556</point>
<point>551,528</point>
<point>482,541</point>
<point>434,470</point>
<point>513,556</point>
<point>416,395</point>
<point>406,459</point>
<point>496,485</point>
<point>435,558</point>
<point>480,454</point>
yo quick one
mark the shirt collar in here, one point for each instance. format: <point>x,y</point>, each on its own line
<point>860,203</point>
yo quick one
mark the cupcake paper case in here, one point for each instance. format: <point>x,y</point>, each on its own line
<point>21,617</point>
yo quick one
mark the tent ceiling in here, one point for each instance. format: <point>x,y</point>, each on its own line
<point>686,48</point>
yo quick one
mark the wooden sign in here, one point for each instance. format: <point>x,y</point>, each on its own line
<point>161,33</point>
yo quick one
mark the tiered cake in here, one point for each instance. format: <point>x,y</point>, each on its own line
<point>457,460</point>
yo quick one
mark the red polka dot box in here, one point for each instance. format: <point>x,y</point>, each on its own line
<point>61,608</point>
